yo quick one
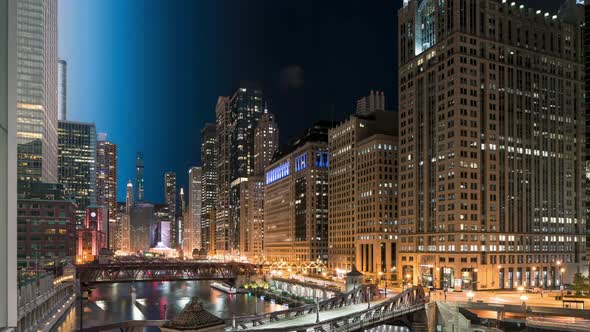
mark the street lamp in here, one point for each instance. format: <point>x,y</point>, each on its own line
<point>470,296</point>
<point>524,298</point>
<point>317,305</point>
<point>561,279</point>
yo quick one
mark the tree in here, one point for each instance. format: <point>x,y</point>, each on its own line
<point>581,282</point>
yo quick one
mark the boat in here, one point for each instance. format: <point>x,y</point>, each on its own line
<point>224,287</point>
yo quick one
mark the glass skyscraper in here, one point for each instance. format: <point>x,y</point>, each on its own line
<point>77,163</point>
<point>37,90</point>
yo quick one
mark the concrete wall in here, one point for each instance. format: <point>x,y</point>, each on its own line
<point>8,286</point>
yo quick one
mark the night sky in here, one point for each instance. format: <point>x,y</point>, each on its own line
<point>148,72</point>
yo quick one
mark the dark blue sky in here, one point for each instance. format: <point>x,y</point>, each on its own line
<point>148,72</point>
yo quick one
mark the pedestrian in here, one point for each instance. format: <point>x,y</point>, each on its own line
<point>542,292</point>
<point>445,295</point>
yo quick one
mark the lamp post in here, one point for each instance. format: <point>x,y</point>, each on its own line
<point>470,296</point>
<point>558,263</point>
<point>524,298</point>
<point>561,277</point>
<point>317,310</point>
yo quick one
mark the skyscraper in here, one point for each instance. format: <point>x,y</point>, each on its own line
<point>296,200</point>
<point>8,164</point>
<point>222,122</point>
<point>266,142</point>
<point>62,89</point>
<point>139,181</point>
<point>126,222</point>
<point>344,197</point>
<point>77,163</point>
<point>208,183</point>
<point>106,177</point>
<point>193,229</point>
<point>237,119</point>
<point>37,90</point>
<point>373,102</point>
<point>170,200</point>
<point>491,157</point>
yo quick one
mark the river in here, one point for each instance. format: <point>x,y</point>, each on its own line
<point>114,302</point>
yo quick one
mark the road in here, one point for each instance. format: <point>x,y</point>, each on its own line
<point>508,297</point>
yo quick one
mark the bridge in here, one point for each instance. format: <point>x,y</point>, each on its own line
<point>349,311</point>
<point>128,271</point>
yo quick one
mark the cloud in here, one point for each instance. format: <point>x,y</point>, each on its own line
<point>291,77</point>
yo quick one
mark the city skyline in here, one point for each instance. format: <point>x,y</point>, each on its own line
<point>371,158</point>
<point>280,66</point>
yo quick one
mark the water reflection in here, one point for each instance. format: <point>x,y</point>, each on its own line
<point>117,302</point>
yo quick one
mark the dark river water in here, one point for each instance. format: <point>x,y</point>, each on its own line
<point>115,302</point>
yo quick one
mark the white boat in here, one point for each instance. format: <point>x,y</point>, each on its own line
<point>224,287</point>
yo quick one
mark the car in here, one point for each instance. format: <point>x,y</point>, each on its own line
<point>533,290</point>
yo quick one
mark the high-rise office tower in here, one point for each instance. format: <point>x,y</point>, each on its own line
<point>375,101</point>
<point>296,200</point>
<point>77,163</point>
<point>246,107</point>
<point>344,198</point>
<point>266,141</point>
<point>249,208</point>
<point>37,90</point>
<point>491,132</point>
<point>139,181</point>
<point>126,222</point>
<point>170,200</point>
<point>8,163</point>
<point>193,228</point>
<point>222,122</point>
<point>180,221</point>
<point>106,176</point>
<point>208,183</point>
<point>116,228</point>
<point>62,89</point>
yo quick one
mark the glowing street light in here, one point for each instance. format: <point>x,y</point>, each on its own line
<point>470,296</point>
<point>524,298</point>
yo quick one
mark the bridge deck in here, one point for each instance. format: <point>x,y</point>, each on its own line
<point>311,318</point>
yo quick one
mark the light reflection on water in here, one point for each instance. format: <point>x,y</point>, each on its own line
<point>115,302</point>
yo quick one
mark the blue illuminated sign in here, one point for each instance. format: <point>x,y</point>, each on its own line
<point>321,159</point>
<point>279,172</point>
<point>301,162</point>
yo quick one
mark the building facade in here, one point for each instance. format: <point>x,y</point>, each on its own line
<point>37,127</point>
<point>376,167</point>
<point>170,200</point>
<point>126,220</point>
<point>106,177</point>
<point>296,201</point>
<point>208,184</point>
<point>46,227</point>
<point>193,229</point>
<point>62,89</point>
<point>491,146</point>
<point>222,123</point>
<point>343,141</point>
<point>92,236</point>
<point>375,101</point>
<point>77,163</point>
<point>139,179</point>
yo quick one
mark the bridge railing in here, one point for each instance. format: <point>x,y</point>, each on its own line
<point>407,302</point>
<point>358,295</point>
<point>127,326</point>
<point>181,270</point>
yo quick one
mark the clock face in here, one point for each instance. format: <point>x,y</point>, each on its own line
<point>93,214</point>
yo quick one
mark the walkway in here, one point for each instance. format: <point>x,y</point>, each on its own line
<point>311,318</point>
